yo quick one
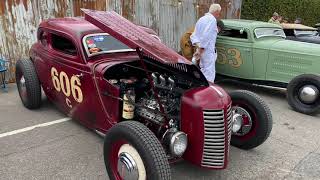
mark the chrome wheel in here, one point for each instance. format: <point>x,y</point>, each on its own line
<point>132,152</point>
<point>23,88</point>
<point>28,84</point>
<point>254,118</point>
<point>242,121</point>
<point>308,94</point>
<point>303,93</point>
<point>130,164</point>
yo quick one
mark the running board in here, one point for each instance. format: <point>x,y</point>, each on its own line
<point>252,83</point>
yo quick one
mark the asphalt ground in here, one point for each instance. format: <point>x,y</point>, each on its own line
<point>67,150</point>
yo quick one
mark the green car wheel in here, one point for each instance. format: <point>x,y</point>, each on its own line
<point>304,93</point>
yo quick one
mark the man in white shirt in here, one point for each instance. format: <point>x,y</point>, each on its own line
<point>205,36</point>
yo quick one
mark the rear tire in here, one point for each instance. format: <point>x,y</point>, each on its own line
<point>294,88</point>
<point>28,84</point>
<point>141,144</point>
<point>258,115</point>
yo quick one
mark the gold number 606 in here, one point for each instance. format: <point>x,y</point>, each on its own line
<point>61,82</point>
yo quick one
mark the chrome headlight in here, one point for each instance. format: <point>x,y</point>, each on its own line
<point>176,142</point>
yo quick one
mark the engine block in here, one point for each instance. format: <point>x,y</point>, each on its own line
<point>150,111</point>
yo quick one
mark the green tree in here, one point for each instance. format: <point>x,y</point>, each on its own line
<point>262,10</point>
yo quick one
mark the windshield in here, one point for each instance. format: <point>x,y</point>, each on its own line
<point>269,32</point>
<point>305,33</point>
<point>102,43</point>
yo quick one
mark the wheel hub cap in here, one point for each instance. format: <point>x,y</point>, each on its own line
<point>309,94</point>
<point>243,118</point>
<point>23,89</point>
<point>127,167</point>
<point>236,123</point>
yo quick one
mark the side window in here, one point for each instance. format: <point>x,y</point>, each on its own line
<point>234,33</point>
<point>63,44</point>
<point>43,38</point>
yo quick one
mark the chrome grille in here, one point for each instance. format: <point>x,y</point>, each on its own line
<point>229,120</point>
<point>214,150</point>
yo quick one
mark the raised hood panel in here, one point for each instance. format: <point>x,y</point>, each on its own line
<point>133,36</point>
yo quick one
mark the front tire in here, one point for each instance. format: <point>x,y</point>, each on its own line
<point>28,84</point>
<point>303,93</point>
<point>255,117</point>
<point>130,142</point>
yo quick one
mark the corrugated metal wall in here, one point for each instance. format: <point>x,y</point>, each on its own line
<point>170,18</point>
<point>19,20</point>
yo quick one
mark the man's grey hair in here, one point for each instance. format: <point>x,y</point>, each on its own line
<point>214,8</point>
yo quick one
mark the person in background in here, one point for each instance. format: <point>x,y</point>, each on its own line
<point>187,49</point>
<point>285,20</point>
<point>204,37</point>
<point>280,19</point>
<point>274,18</point>
<point>196,53</point>
<point>298,21</point>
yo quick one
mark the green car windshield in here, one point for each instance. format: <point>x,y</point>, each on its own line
<point>269,32</point>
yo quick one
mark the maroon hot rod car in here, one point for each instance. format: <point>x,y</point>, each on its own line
<point>151,104</point>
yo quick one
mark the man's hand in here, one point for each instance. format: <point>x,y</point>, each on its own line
<point>197,55</point>
<point>201,50</point>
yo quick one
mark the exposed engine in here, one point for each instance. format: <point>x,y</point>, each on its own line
<point>145,100</point>
<point>152,95</point>
<point>168,97</point>
<point>153,89</point>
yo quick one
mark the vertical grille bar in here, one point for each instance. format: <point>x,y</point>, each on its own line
<point>216,124</point>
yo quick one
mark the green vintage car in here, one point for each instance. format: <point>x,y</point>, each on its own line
<point>257,52</point>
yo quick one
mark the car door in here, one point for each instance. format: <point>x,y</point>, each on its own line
<point>234,49</point>
<point>41,59</point>
<point>71,79</point>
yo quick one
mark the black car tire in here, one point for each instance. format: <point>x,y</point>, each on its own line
<point>30,93</point>
<point>146,144</point>
<point>261,119</point>
<point>293,89</point>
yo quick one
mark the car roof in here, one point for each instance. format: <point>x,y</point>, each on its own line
<point>78,26</point>
<point>296,26</point>
<point>74,26</point>
<point>250,24</point>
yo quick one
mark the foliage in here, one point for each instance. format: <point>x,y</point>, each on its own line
<point>262,10</point>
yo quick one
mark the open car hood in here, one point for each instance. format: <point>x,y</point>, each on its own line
<point>133,36</point>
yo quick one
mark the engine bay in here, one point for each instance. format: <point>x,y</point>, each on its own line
<point>155,93</point>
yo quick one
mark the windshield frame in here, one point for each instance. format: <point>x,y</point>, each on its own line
<point>275,28</point>
<point>86,48</point>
